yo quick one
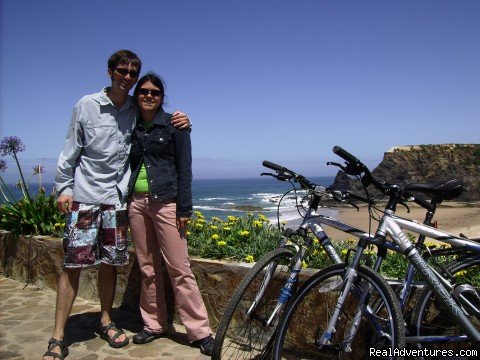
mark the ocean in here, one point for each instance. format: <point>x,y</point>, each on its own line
<point>223,197</point>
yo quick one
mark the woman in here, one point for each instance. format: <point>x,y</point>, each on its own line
<point>160,207</point>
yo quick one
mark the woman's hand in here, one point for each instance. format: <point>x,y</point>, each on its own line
<point>182,222</point>
<point>180,120</point>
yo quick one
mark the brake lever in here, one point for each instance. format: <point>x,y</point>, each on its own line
<point>344,169</point>
<point>355,206</point>
<point>268,174</point>
<point>404,204</point>
<point>283,177</point>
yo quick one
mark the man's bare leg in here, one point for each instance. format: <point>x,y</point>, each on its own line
<point>67,289</point>
<point>107,283</point>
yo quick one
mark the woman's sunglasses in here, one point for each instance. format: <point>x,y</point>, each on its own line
<point>145,92</point>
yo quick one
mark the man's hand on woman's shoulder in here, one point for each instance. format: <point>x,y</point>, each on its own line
<point>180,120</point>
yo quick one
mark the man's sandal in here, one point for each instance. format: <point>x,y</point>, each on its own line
<point>111,340</point>
<point>52,343</point>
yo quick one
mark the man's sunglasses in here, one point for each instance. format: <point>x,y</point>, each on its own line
<point>125,71</point>
<point>145,92</point>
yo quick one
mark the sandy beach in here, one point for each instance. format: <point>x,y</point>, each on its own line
<point>454,219</point>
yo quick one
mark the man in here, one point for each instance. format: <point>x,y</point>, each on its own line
<point>92,178</point>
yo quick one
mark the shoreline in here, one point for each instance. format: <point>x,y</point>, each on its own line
<point>454,219</point>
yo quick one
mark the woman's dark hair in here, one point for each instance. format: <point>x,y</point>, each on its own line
<point>124,57</point>
<point>155,80</point>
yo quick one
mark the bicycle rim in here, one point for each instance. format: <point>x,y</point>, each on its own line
<point>307,315</point>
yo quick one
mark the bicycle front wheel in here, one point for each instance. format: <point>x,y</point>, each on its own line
<point>378,326</point>
<point>242,332</point>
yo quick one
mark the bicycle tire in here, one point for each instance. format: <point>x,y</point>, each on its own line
<point>429,319</point>
<point>307,314</point>
<point>244,337</point>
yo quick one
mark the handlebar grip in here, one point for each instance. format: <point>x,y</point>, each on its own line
<point>274,166</point>
<point>422,203</point>
<point>347,156</point>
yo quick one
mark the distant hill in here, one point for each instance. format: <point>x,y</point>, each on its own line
<point>428,164</point>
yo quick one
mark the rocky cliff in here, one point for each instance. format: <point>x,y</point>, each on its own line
<point>426,164</point>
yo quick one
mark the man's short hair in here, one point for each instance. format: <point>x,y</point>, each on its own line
<point>124,57</point>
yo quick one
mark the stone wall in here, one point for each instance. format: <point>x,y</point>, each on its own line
<point>38,260</point>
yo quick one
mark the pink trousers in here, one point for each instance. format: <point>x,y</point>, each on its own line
<point>156,239</point>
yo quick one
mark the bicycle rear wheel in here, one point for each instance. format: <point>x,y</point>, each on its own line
<point>245,336</point>
<point>429,319</point>
<point>308,313</point>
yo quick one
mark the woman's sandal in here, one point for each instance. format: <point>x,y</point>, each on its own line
<point>63,349</point>
<point>111,340</point>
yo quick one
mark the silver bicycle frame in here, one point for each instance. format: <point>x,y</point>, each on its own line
<point>314,222</point>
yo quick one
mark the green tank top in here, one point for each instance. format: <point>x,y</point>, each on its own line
<point>141,185</point>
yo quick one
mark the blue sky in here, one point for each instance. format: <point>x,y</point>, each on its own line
<point>278,80</point>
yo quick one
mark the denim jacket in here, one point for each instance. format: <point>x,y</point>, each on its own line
<point>167,154</point>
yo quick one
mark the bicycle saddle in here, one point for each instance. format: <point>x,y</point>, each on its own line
<point>440,191</point>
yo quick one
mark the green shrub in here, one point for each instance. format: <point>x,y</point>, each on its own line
<point>249,237</point>
<point>38,216</point>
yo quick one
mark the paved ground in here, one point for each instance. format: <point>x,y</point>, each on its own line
<point>26,324</point>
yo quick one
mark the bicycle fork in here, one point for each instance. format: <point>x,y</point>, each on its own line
<point>286,291</point>
<point>348,282</point>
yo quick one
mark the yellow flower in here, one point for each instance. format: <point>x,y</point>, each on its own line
<point>215,236</point>
<point>249,214</point>
<point>227,228</point>
<point>284,222</point>
<point>344,251</point>
<point>249,258</point>
<point>198,213</point>
<point>221,243</point>
<point>232,218</point>
<point>213,227</point>
<point>244,233</point>
<point>58,225</point>
<point>198,226</point>
<point>315,252</point>
<point>188,233</point>
<point>257,224</point>
<point>201,221</point>
<point>216,219</point>
<point>304,264</point>
<point>262,217</point>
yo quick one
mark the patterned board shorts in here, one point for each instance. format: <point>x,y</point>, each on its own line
<point>96,234</point>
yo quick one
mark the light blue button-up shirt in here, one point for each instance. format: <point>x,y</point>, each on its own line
<point>93,166</point>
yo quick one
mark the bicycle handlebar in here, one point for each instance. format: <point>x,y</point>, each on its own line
<point>421,202</point>
<point>285,172</point>
<point>274,166</point>
<point>352,160</point>
<point>355,167</point>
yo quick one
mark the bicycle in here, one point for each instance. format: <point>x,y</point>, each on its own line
<point>250,318</point>
<point>338,334</point>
